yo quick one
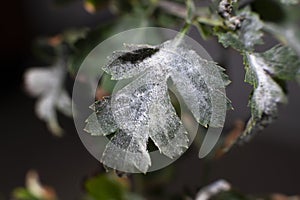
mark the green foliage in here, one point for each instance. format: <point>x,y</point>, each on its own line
<point>105,187</point>
<point>109,187</point>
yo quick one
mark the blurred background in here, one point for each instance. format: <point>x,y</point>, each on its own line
<point>269,163</point>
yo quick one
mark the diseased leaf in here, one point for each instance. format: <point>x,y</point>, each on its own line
<point>245,38</point>
<point>266,96</point>
<point>142,109</point>
<point>282,62</point>
<point>47,85</point>
<point>101,122</point>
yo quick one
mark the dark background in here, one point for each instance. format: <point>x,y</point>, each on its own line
<point>269,163</point>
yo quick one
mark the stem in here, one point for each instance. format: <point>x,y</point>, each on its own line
<point>186,27</point>
<point>152,7</point>
<point>209,21</point>
<point>180,11</point>
<point>173,8</point>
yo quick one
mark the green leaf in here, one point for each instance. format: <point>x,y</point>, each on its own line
<point>142,109</point>
<point>105,187</point>
<point>245,38</point>
<point>287,33</point>
<point>23,194</point>
<point>266,96</point>
<point>282,62</point>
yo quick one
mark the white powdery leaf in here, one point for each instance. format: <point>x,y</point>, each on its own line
<point>166,130</point>
<point>200,84</point>
<point>266,96</point>
<point>127,152</point>
<point>142,109</point>
<point>267,93</point>
<point>46,84</point>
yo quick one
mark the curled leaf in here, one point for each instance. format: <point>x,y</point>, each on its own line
<point>266,96</point>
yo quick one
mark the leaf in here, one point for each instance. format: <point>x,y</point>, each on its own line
<point>109,187</point>
<point>245,38</point>
<point>282,62</point>
<point>47,85</point>
<point>105,187</point>
<point>142,109</point>
<point>101,122</point>
<point>266,96</point>
<point>287,32</point>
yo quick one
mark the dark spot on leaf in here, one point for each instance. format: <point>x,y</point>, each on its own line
<point>138,55</point>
